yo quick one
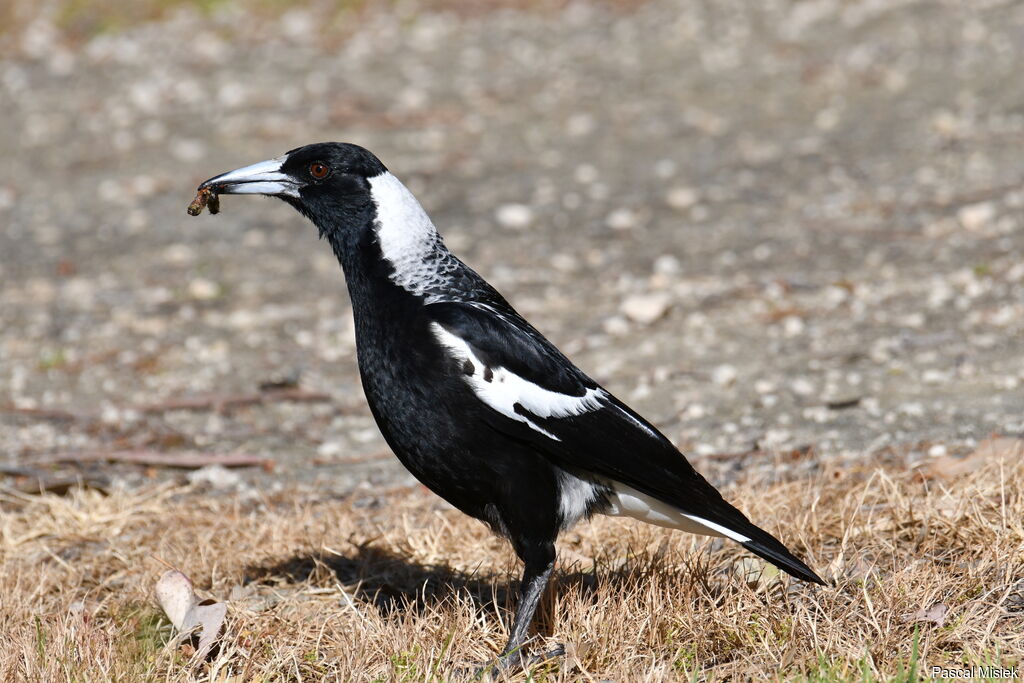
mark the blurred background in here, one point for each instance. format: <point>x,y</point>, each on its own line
<point>788,232</point>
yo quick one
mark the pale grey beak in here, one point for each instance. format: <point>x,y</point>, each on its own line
<point>262,178</point>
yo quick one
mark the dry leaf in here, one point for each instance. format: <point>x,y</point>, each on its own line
<point>935,614</point>
<point>996,448</point>
<point>178,600</point>
<point>756,573</point>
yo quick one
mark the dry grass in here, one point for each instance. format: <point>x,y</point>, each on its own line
<point>402,589</point>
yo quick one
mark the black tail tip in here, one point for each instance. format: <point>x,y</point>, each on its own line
<point>786,561</point>
<point>805,574</point>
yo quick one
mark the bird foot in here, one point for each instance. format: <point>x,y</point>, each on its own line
<point>513,662</point>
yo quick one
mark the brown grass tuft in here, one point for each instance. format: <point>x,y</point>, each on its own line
<point>400,588</point>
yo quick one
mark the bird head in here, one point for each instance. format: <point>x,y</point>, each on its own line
<point>327,181</point>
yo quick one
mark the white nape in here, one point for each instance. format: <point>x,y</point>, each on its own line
<point>626,501</point>
<point>406,234</point>
<point>502,389</point>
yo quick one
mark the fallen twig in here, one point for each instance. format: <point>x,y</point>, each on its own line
<point>217,402</point>
<point>43,413</point>
<point>184,460</point>
<point>221,403</point>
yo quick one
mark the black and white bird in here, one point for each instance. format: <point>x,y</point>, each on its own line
<point>473,400</point>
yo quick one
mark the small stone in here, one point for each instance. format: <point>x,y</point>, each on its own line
<point>646,308</point>
<point>514,216</point>
<point>913,409</point>
<point>792,326</point>
<point>622,219</point>
<point>6,198</point>
<point>682,198</point>
<point>203,289</point>
<point>801,386</point>
<point>667,264</point>
<point>976,217</point>
<point>329,449</point>
<point>776,438</point>
<point>616,325</point>
<point>215,476</point>
<point>695,411</point>
<point>724,375</point>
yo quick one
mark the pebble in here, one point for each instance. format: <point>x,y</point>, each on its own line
<point>329,449</point>
<point>724,375</point>
<point>622,219</point>
<point>7,197</point>
<point>667,264</point>
<point>514,216</point>
<point>976,217</point>
<point>215,476</point>
<point>616,325</point>
<point>793,326</point>
<point>646,308</point>
<point>801,386</point>
<point>567,263</point>
<point>682,198</point>
<point>203,289</point>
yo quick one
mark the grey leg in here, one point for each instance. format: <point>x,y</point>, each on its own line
<point>535,579</point>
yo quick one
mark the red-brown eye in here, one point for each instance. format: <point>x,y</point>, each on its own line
<point>318,170</point>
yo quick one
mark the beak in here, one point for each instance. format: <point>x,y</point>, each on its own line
<point>262,178</point>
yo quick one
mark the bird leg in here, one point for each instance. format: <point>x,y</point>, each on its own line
<point>536,573</point>
<point>535,579</point>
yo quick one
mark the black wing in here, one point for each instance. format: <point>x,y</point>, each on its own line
<point>581,427</point>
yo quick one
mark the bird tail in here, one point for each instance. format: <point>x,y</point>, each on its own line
<point>717,518</point>
<point>767,547</point>
<point>736,526</point>
<point>732,523</point>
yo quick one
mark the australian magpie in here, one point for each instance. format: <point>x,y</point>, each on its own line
<point>473,400</point>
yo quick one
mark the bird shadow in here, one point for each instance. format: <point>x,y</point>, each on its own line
<point>392,583</point>
<point>397,585</point>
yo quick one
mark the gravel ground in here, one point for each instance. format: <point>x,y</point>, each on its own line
<point>768,226</point>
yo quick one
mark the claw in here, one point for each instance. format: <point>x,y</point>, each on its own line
<point>513,662</point>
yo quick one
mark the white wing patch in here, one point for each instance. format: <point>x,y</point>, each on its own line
<point>628,502</point>
<point>502,389</point>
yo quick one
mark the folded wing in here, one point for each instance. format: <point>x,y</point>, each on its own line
<point>534,394</point>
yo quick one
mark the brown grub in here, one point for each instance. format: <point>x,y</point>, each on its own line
<point>206,198</point>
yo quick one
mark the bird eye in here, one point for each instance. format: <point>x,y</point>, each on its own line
<point>318,170</point>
